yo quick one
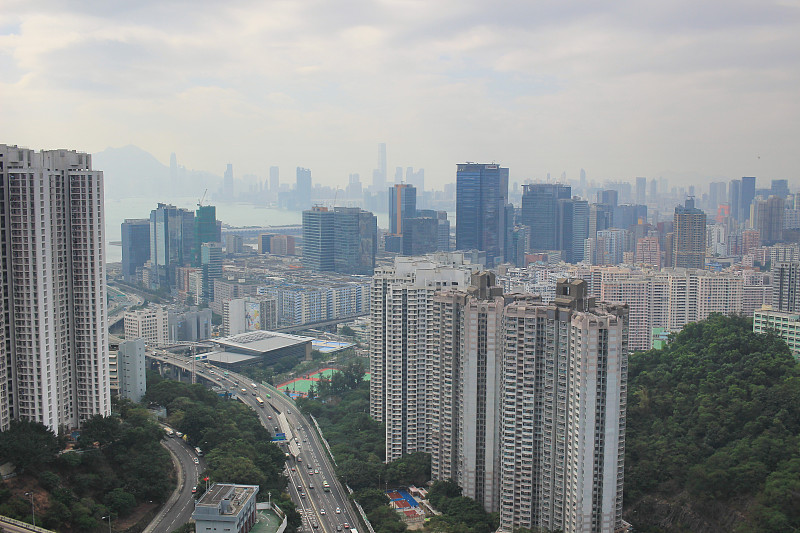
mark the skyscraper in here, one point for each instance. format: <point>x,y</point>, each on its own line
<point>318,235</point>
<point>481,199</point>
<point>131,369</point>
<point>302,189</point>
<point>172,234</point>
<point>690,236</point>
<point>402,206</point>
<point>466,358</point>
<point>748,194</point>
<point>355,241</point>
<point>540,212</point>
<point>563,400</point>
<point>641,191</point>
<point>735,199</point>
<point>572,228</point>
<point>54,339</point>
<point>274,179</point>
<point>768,219</point>
<point>211,263</point>
<point>227,183</point>
<point>780,188</point>
<point>206,229</point>
<point>135,247</point>
<point>786,286</point>
<point>379,174</point>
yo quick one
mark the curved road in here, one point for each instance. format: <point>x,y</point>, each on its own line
<point>318,507</point>
<point>178,510</point>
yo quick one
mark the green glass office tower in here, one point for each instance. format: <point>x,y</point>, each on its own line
<point>205,229</point>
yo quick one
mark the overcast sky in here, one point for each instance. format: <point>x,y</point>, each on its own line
<point>622,89</point>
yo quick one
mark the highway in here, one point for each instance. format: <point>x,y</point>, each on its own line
<point>308,465</point>
<point>178,509</point>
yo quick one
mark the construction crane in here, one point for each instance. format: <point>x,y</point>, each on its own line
<point>200,201</point>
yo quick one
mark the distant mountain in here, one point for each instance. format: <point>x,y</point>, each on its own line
<point>130,171</point>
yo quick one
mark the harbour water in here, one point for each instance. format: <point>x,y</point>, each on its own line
<point>233,214</point>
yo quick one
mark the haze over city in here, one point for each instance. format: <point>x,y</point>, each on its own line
<point>676,89</point>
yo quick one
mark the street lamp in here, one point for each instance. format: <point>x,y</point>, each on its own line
<point>109,522</point>
<point>33,509</point>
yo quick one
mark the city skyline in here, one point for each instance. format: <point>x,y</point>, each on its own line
<point>694,91</point>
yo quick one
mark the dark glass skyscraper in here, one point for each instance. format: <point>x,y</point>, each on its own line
<point>540,212</point>
<point>481,198</point>
<point>135,246</point>
<point>355,241</point>
<point>748,195</point>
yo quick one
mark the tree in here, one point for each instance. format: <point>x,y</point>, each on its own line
<point>29,445</point>
<point>120,502</point>
<point>99,429</point>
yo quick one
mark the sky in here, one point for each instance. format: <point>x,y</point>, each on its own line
<point>692,88</point>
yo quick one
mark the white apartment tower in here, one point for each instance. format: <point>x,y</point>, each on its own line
<point>464,388</point>
<point>53,288</point>
<point>564,394</point>
<point>400,338</point>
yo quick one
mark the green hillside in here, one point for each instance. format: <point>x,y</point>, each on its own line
<point>713,431</point>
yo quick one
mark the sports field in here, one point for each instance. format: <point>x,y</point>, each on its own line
<point>299,387</point>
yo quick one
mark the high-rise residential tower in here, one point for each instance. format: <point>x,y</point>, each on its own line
<point>690,236</point>
<point>563,398</point>
<point>481,200</point>
<point>52,254</point>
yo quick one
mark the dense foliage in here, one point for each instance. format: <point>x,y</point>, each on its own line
<point>238,449</point>
<point>713,432</point>
<point>121,464</point>
<point>459,513</point>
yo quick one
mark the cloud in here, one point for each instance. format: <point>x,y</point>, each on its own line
<point>622,89</point>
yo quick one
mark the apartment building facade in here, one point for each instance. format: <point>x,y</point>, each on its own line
<point>53,291</point>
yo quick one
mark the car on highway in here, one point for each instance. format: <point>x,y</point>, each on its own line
<point>310,485</point>
<point>338,511</point>
<point>346,525</point>
<point>316,471</point>
<point>322,511</point>
<point>194,490</point>
<point>338,527</point>
<point>269,417</point>
<point>294,469</point>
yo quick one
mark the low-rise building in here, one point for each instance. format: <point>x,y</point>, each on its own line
<point>150,324</point>
<point>226,507</point>
<point>785,325</point>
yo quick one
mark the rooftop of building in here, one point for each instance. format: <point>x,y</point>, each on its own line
<point>260,341</point>
<point>226,497</point>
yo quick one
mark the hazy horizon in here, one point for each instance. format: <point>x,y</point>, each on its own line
<point>697,91</point>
